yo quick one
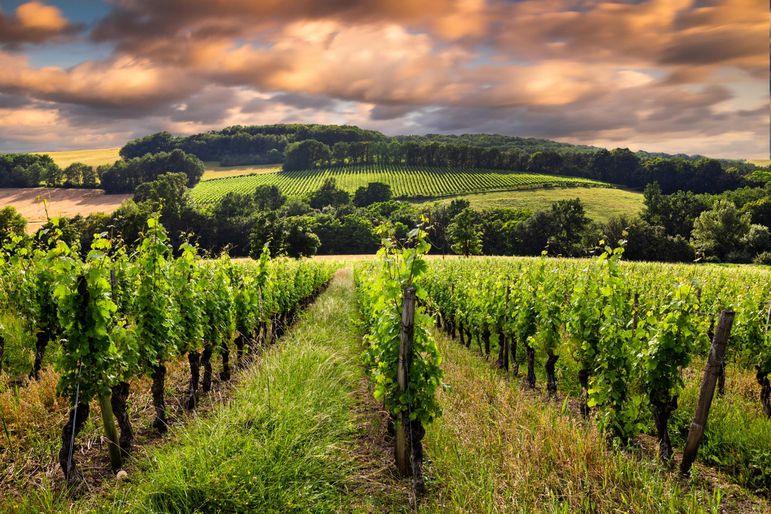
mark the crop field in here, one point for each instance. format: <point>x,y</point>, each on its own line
<point>95,157</point>
<point>306,410</point>
<point>405,181</point>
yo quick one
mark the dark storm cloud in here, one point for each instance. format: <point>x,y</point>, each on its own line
<point>303,101</point>
<point>390,112</point>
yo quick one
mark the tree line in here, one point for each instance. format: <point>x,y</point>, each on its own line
<point>310,146</point>
<point>680,227</point>
<point>619,166</point>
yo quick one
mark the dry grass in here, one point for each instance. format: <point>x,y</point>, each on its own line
<point>34,416</point>
<point>32,203</point>
<point>498,448</point>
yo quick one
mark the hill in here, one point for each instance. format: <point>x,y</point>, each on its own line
<point>601,203</point>
<point>407,182</point>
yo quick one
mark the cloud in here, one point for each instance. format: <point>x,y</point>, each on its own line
<point>34,22</point>
<point>585,70</point>
<point>119,86</point>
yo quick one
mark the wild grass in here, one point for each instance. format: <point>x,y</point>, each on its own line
<point>737,438</point>
<point>286,441</point>
<point>498,448</point>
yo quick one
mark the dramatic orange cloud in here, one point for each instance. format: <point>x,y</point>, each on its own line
<point>657,73</point>
<point>34,22</point>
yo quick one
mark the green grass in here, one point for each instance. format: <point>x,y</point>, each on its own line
<point>95,157</point>
<point>737,438</point>
<point>405,181</point>
<point>498,448</point>
<point>283,441</point>
<point>600,203</point>
<point>286,441</point>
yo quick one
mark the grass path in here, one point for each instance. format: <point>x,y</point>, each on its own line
<point>295,436</point>
<point>287,441</point>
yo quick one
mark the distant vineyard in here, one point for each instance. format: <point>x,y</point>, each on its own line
<point>405,181</point>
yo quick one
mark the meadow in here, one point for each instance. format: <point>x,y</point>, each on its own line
<point>601,203</point>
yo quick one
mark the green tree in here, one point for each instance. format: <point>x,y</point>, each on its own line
<point>569,222</point>
<point>373,192</point>
<point>328,194</point>
<point>306,154</point>
<point>718,232</point>
<point>268,198</point>
<point>298,237</point>
<point>11,222</point>
<point>75,172</point>
<point>169,195</point>
<point>464,233</point>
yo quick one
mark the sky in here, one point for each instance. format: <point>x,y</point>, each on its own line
<point>676,76</point>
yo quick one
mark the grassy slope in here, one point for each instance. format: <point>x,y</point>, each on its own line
<point>600,203</point>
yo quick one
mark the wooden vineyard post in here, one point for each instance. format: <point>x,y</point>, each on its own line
<point>407,463</point>
<point>403,378</point>
<point>708,382</point>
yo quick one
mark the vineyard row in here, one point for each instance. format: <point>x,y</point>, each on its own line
<point>405,181</point>
<point>117,316</point>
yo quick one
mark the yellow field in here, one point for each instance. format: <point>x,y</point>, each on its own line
<point>59,202</point>
<point>91,157</point>
<point>600,203</point>
<point>760,162</point>
<point>101,156</point>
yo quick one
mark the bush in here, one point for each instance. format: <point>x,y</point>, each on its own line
<point>763,258</point>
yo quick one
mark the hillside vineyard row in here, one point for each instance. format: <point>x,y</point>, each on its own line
<point>112,316</point>
<point>405,181</point>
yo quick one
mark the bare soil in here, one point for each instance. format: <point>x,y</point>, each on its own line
<point>33,202</point>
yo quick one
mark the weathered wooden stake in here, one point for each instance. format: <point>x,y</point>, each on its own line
<point>708,382</point>
<point>116,460</point>
<point>403,376</point>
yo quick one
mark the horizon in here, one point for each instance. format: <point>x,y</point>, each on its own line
<point>661,76</point>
